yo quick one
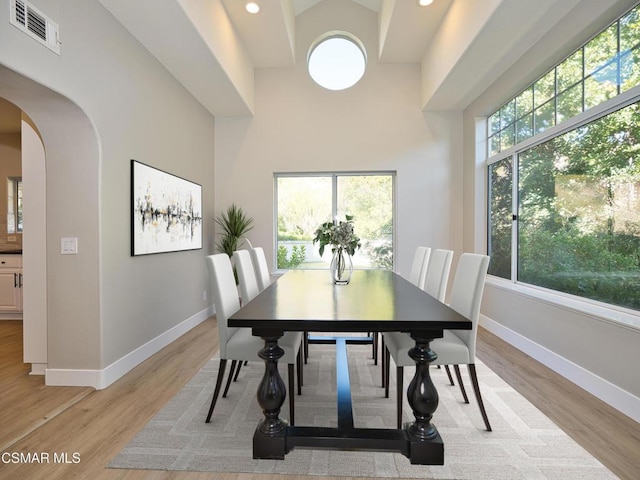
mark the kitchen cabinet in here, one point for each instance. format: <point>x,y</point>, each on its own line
<point>10,284</point>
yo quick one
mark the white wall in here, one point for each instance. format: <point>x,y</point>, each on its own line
<point>376,125</point>
<point>570,337</point>
<point>102,102</point>
<point>34,258</point>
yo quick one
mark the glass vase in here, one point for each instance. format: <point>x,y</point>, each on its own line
<point>341,267</point>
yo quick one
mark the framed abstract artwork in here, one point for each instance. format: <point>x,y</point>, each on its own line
<point>166,212</point>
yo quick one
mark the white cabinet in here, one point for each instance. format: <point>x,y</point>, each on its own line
<point>10,284</point>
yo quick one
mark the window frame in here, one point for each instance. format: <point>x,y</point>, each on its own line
<point>605,311</point>
<point>334,202</point>
<point>495,136</point>
<point>14,206</point>
<point>339,35</point>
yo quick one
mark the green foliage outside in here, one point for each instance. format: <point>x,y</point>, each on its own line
<point>605,66</point>
<point>500,212</point>
<point>578,212</point>
<point>383,255</point>
<point>298,254</point>
<point>304,203</point>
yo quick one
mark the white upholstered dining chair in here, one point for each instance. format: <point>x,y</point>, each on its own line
<point>417,276</point>
<point>437,277</point>
<point>247,281</point>
<point>419,265</point>
<point>435,283</point>
<point>238,344</point>
<point>249,288</point>
<point>260,266</point>
<point>457,347</point>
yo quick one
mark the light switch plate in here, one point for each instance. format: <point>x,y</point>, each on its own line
<point>69,246</point>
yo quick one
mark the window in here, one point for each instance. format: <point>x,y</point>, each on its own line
<point>337,61</point>
<point>14,205</point>
<point>500,217</point>
<point>604,67</point>
<point>564,205</point>
<point>578,211</point>
<point>305,201</point>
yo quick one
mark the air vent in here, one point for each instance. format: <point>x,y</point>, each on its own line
<point>35,24</point>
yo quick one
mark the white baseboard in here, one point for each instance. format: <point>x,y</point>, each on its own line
<point>100,379</point>
<point>609,393</point>
<point>38,368</point>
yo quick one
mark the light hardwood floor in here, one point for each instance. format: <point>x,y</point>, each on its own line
<point>98,424</point>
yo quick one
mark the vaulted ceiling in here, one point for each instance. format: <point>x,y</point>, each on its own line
<point>213,47</point>
<point>408,28</point>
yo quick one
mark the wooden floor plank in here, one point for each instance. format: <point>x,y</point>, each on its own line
<point>600,429</point>
<point>25,401</point>
<point>102,423</point>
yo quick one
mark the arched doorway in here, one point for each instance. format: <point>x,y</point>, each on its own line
<point>65,135</point>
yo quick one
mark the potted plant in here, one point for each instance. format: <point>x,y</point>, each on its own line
<point>235,224</point>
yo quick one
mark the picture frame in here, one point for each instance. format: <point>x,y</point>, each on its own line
<point>166,211</point>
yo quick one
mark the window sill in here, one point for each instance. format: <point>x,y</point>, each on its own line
<point>615,315</point>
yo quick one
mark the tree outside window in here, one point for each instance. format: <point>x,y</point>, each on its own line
<point>304,202</point>
<point>578,204</point>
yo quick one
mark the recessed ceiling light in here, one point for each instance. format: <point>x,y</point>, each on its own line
<point>424,3</point>
<point>252,7</point>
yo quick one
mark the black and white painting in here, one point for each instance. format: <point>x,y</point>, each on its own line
<point>166,211</point>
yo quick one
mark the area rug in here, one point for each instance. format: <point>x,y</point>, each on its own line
<point>524,443</point>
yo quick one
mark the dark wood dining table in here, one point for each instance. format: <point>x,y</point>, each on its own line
<point>374,301</point>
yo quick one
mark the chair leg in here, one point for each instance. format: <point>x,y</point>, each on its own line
<point>234,365</point>
<point>221,369</point>
<point>235,377</point>
<point>384,360</point>
<point>299,368</point>
<point>387,356</point>
<point>305,340</point>
<point>374,341</point>
<point>456,368</point>
<point>399,392</point>
<point>291,396</point>
<point>476,389</point>
<point>448,370</point>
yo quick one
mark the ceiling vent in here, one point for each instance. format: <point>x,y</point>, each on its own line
<point>35,24</point>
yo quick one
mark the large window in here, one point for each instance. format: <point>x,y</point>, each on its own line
<point>305,201</point>
<point>604,67</point>
<point>578,211</point>
<point>564,204</point>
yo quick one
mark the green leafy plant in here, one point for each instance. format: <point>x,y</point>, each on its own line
<point>340,236</point>
<point>235,224</point>
<point>298,255</point>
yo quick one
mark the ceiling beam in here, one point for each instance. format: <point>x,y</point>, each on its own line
<point>209,60</point>
<point>477,42</point>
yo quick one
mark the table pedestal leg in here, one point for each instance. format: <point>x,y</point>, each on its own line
<point>426,445</point>
<point>269,439</point>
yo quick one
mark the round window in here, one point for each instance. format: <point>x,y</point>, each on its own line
<point>337,61</point>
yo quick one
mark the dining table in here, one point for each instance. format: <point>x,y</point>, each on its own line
<point>375,300</point>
